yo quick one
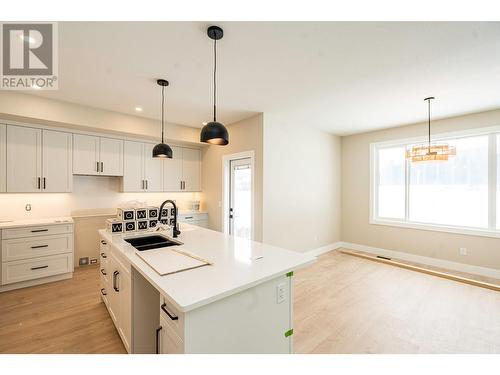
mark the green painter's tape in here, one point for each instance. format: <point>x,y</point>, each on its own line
<point>289,274</point>
<point>289,332</point>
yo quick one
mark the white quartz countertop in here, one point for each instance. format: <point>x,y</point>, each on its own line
<point>238,264</point>
<point>5,223</point>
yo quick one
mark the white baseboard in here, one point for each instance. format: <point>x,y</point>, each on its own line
<point>325,249</point>
<point>447,264</point>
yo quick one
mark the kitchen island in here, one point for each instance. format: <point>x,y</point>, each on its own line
<point>241,302</point>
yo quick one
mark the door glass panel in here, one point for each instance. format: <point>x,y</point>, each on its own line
<point>241,199</point>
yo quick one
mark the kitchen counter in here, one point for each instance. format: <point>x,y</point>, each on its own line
<point>5,224</point>
<point>238,264</point>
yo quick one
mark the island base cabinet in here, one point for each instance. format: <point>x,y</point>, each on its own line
<point>255,320</point>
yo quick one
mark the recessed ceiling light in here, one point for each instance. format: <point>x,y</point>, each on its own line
<point>138,109</point>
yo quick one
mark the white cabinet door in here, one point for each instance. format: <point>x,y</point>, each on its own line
<point>111,157</point>
<point>125,298</point>
<point>172,171</point>
<point>57,170</point>
<point>133,179</point>
<point>153,169</point>
<point>191,169</point>
<point>170,342</point>
<point>3,158</point>
<point>85,154</point>
<point>112,293</point>
<point>24,159</point>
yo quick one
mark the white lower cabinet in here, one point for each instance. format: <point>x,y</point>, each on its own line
<point>116,292</point>
<point>168,341</point>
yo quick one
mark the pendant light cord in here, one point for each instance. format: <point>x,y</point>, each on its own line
<point>215,81</point>
<point>429,123</point>
<point>162,112</point>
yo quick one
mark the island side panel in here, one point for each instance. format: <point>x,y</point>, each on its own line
<point>252,321</point>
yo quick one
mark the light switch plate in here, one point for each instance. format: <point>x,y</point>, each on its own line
<point>280,293</point>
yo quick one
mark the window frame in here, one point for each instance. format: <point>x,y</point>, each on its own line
<point>491,231</point>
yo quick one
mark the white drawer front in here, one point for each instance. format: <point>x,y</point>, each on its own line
<point>33,247</point>
<point>42,230</point>
<point>170,343</point>
<point>28,269</point>
<point>176,324</point>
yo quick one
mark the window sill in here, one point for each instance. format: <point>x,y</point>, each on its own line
<point>437,228</point>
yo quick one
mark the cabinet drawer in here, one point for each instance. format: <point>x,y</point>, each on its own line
<point>176,318</point>
<point>170,343</point>
<point>28,269</point>
<point>42,230</point>
<point>33,247</point>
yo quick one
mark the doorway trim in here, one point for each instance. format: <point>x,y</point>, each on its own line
<point>226,172</point>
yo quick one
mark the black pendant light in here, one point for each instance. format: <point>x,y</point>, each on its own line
<point>162,150</point>
<point>214,132</point>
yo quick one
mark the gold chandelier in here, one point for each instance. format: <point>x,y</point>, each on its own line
<point>430,151</point>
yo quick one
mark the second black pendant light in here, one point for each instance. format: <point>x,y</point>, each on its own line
<point>214,132</point>
<point>162,150</point>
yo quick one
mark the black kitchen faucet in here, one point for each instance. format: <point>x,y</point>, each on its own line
<point>175,230</point>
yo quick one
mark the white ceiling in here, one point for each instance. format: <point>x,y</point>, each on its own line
<point>344,77</point>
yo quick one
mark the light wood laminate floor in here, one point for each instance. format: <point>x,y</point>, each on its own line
<point>343,304</point>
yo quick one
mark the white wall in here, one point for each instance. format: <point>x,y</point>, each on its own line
<point>302,169</point>
<point>245,135</point>
<point>482,251</point>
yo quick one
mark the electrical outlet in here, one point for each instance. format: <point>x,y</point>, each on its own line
<point>93,261</point>
<point>463,251</point>
<point>83,261</point>
<point>280,293</point>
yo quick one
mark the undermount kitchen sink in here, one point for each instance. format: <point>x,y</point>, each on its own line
<point>151,242</point>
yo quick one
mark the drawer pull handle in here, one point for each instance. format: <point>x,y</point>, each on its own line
<point>103,292</point>
<point>39,230</point>
<point>104,242</point>
<point>188,217</point>
<point>173,317</point>
<point>102,271</point>
<point>104,255</point>
<point>157,341</point>
<point>115,274</point>
<point>39,246</point>
<point>38,268</point>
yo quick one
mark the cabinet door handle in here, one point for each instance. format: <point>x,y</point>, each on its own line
<point>39,230</point>
<point>103,292</point>
<point>39,246</point>
<point>44,183</point>
<point>103,255</point>
<point>173,317</point>
<point>115,275</point>
<point>157,339</point>
<point>102,166</point>
<point>146,184</point>
<point>38,184</point>
<point>38,268</point>
<point>142,182</point>
<point>97,166</point>
<point>102,271</point>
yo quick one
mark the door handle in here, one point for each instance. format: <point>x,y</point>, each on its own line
<point>173,317</point>
<point>157,339</point>
<point>115,275</point>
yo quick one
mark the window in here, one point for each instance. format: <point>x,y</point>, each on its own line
<point>459,193</point>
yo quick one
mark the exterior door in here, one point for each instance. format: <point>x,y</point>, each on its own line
<point>240,198</point>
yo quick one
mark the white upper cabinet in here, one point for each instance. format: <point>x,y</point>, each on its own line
<point>57,170</point>
<point>38,160</point>
<point>97,155</point>
<point>172,171</point>
<point>3,158</point>
<point>111,157</point>
<point>141,171</point>
<point>153,169</point>
<point>191,169</point>
<point>24,159</point>
<point>86,154</point>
